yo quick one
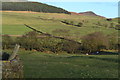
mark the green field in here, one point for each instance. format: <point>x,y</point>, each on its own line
<point>13,23</point>
<point>61,65</point>
<point>43,65</point>
<point>15,29</point>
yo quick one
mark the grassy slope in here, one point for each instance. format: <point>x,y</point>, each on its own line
<point>41,65</point>
<point>13,23</point>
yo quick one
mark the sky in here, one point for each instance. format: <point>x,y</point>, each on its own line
<point>103,8</point>
<point>107,9</point>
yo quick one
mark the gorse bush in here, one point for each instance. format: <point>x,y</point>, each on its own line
<point>90,43</point>
<point>28,41</point>
<point>68,46</point>
<point>34,41</point>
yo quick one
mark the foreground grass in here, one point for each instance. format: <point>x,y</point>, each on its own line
<point>42,65</point>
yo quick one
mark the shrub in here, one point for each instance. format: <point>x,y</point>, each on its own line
<point>7,42</point>
<point>48,43</point>
<point>113,41</point>
<point>71,23</point>
<point>32,41</point>
<point>65,21</point>
<point>68,46</point>
<point>109,19</point>
<point>117,27</point>
<point>111,25</point>
<point>94,42</point>
<point>80,24</point>
<point>29,40</point>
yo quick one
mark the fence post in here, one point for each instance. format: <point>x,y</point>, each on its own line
<point>14,52</point>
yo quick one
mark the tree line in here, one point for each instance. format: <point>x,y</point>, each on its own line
<point>79,24</point>
<point>32,6</point>
<point>90,43</point>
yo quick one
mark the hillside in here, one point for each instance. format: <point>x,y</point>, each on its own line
<point>32,6</point>
<point>67,46</point>
<point>13,24</point>
<point>88,13</point>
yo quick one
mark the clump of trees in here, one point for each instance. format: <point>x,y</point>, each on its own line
<point>94,42</point>
<point>68,22</point>
<point>32,6</point>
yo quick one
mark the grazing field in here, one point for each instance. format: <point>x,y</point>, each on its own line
<point>44,65</point>
<point>15,29</point>
<point>47,64</point>
<point>13,23</point>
